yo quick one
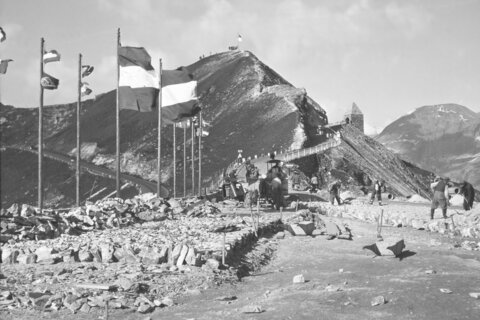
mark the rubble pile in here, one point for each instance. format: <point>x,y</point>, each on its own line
<point>460,223</point>
<point>312,222</point>
<point>141,264</point>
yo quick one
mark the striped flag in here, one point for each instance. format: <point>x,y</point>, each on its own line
<point>51,56</point>
<point>179,97</point>
<point>3,35</point>
<point>138,83</point>
<point>48,82</point>
<point>4,65</point>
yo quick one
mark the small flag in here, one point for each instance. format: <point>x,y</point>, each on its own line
<point>138,83</point>
<point>51,56</point>
<point>88,70</point>
<point>48,82</point>
<point>4,65</point>
<point>85,90</point>
<point>3,35</point>
<point>205,133</point>
<point>240,38</point>
<point>179,97</point>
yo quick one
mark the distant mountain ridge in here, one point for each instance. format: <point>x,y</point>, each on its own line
<point>443,138</point>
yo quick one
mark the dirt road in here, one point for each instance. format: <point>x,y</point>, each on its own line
<point>342,279</point>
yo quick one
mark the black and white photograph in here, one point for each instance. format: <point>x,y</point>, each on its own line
<point>239,159</point>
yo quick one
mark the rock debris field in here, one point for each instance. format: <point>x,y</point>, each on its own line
<point>141,254</point>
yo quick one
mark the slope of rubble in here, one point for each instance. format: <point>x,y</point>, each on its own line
<point>359,160</point>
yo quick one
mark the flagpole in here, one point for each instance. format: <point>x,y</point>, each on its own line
<point>117,156</point>
<point>200,155</point>
<point>193,157</point>
<point>77,171</point>
<point>174,160</point>
<point>40,133</point>
<point>185,159</point>
<point>159,138</point>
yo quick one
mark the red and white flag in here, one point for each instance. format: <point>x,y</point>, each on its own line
<point>4,65</point>
<point>51,56</point>
<point>3,35</point>
<point>179,95</point>
<point>138,83</point>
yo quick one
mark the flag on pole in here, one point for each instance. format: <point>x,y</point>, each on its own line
<point>51,56</point>
<point>4,65</point>
<point>138,83</point>
<point>84,89</point>
<point>48,82</point>
<point>240,38</point>
<point>3,35</point>
<point>88,70</point>
<point>179,97</point>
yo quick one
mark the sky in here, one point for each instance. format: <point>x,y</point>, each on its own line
<point>387,56</point>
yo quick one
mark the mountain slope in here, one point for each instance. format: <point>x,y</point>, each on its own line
<point>441,138</point>
<point>247,104</point>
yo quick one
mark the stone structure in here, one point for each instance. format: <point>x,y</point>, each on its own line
<point>355,117</point>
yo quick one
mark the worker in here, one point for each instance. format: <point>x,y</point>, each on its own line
<point>440,196</point>
<point>377,191</point>
<point>277,192</point>
<point>334,190</point>
<point>252,172</point>
<point>296,180</point>
<point>314,183</point>
<point>468,195</point>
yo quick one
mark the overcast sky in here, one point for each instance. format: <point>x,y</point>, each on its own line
<point>388,56</point>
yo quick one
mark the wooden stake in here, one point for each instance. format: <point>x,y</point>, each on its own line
<point>223,249</point>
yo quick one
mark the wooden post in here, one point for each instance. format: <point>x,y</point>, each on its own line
<point>117,122</point>
<point>174,160</point>
<point>40,133</point>
<point>200,154</point>
<point>159,128</point>
<point>379,226</point>
<point>223,249</point>
<point>193,156</point>
<point>79,103</point>
<point>185,158</point>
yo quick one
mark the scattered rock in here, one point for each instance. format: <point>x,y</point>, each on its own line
<point>252,309</point>
<point>475,295</point>
<point>298,278</point>
<point>379,300</point>
<point>448,291</point>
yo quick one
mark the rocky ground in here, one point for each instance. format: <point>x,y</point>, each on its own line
<point>170,266</point>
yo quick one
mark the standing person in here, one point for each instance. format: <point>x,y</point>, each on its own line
<point>440,196</point>
<point>468,195</point>
<point>377,190</point>
<point>296,180</point>
<point>334,189</point>
<point>314,183</point>
<point>277,192</point>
